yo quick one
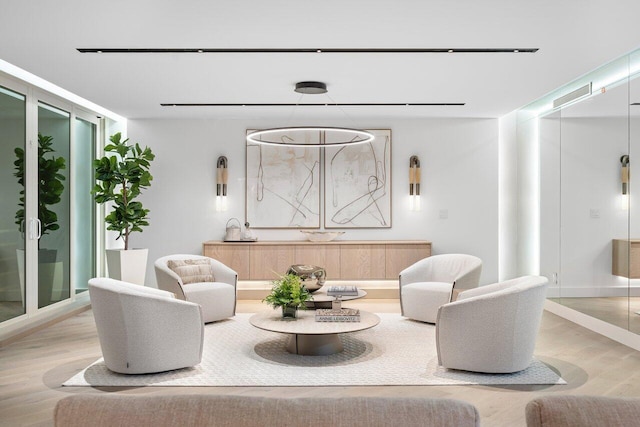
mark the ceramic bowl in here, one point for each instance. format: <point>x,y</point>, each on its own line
<point>321,236</point>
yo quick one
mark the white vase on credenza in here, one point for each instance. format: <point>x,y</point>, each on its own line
<point>128,266</point>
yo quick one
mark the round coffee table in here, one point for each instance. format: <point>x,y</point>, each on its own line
<point>309,337</point>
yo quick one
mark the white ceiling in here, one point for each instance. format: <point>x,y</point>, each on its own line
<point>574,37</point>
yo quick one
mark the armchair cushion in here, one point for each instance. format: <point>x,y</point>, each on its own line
<point>192,270</point>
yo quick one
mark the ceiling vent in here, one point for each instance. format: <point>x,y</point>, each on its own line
<point>573,96</point>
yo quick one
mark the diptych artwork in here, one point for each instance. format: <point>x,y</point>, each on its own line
<point>358,184</point>
<point>283,185</point>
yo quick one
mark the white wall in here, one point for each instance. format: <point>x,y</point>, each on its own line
<point>508,198</point>
<point>459,159</point>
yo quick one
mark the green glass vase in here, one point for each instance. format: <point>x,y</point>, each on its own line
<point>289,311</point>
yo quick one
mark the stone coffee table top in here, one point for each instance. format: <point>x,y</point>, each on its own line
<point>305,323</point>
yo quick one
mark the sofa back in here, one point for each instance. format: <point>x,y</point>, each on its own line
<point>99,410</point>
<point>583,411</point>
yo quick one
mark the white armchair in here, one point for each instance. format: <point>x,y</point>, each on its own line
<point>429,283</point>
<point>144,330</point>
<point>493,328</point>
<point>217,297</point>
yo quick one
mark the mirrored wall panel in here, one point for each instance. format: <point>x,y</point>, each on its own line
<point>589,212</point>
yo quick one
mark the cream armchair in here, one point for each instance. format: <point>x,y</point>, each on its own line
<point>144,330</point>
<point>216,294</point>
<point>429,283</point>
<point>493,328</point>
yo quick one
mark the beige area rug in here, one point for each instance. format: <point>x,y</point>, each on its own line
<point>396,352</point>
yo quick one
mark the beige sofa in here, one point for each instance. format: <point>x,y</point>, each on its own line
<point>101,410</point>
<point>583,411</point>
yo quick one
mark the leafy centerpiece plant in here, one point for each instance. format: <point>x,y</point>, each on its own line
<point>289,293</point>
<point>121,178</point>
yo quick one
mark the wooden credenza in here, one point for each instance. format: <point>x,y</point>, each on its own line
<point>343,260</point>
<point>626,258</point>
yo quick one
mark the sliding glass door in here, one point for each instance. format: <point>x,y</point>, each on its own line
<point>47,215</point>
<point>53,218</point>
<point>12,236</point>
<point>83,207</point>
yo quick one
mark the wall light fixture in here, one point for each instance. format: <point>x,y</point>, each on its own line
<point>221,184</point>
<point>414,183</point>
<point>624,178</point>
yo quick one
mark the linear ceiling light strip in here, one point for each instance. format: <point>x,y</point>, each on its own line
<point>448,104</point>
<point>308,50</point>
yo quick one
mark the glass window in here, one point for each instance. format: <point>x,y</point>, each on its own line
<point>12,148</point>
<point>53,205</point>
<point>83,206</point>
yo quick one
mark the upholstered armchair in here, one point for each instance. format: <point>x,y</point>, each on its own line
<point>430,282</point>
<point>492,328</point>
<point>144,330</point>
<point>202,280</point>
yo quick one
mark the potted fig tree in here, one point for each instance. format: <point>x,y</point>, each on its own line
<point>50,189</point>
<point>120,179</point>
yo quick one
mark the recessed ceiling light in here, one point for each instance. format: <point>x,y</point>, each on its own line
<point>337,104</point>
<point>276,50</point>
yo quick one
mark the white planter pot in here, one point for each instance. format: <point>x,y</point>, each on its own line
<point>50,284</point>
<point>128,266</point>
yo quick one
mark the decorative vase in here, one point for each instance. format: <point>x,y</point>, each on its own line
<point>312,276</point>
<point>289,311</point>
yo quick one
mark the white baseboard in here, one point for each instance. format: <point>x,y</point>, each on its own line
<point>593,292</point>
<point>28,323</point>
<point>608,330</point>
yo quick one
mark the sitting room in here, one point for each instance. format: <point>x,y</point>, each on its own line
<point>346,213</point>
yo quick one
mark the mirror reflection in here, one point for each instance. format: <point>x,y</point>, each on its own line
<point>589,237</point>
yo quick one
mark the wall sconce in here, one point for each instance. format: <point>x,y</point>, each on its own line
<point>414,183</point>
<point>624,160</point>
<point>221,184</point>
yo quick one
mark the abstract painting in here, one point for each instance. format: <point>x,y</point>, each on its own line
<point>283,186</point>
<point>357,191</point>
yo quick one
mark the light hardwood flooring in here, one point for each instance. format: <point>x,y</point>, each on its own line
<point>619,311</point>
<point>33,368</point>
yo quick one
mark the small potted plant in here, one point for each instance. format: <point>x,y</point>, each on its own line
<point>121,177</point>
<point>289,293</point>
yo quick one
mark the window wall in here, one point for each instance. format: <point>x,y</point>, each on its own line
<point>12,238</point>
<point>48,236</point>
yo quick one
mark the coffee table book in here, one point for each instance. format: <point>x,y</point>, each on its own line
<point>342,290</point>
<point>341,315</point>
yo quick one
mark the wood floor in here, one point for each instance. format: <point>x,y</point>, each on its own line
<point>32,369</point>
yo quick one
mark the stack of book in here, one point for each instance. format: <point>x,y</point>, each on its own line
<point>341,315</point>
<point>345,291</point>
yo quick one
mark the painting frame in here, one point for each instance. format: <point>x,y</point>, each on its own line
<point>283,186</point>
<point>357,184</point>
